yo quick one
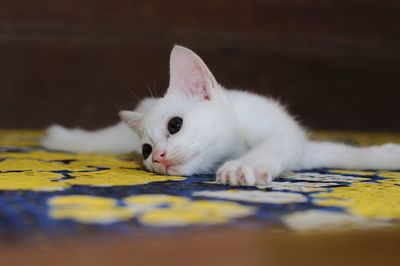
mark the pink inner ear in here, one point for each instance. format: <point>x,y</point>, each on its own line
<point>189,74</point>
<point>197,83</point>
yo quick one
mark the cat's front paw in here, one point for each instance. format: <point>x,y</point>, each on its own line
<point>242,173</point>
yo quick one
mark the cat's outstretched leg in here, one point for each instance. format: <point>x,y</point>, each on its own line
<point>268,160</point>
<point>329,154</point>
<point>264,162</point>
<point>115,139</point>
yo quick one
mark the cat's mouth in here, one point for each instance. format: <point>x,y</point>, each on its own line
<point>173,168</point>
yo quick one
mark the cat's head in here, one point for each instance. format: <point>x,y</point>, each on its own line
<point>193,127</point>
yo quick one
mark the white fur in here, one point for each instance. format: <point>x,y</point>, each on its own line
<point>249,139</point>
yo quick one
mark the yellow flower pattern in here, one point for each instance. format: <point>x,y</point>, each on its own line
<point>109,189</point>
<point>379,199</point>
<point>31,180</point>
<point>41,170</point>
<point>153,209</point>
<point>88,209</point>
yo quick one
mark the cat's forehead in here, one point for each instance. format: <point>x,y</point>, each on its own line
<point>155,119</point>
<point>165,108</point>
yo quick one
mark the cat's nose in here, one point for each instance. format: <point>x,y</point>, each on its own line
<point>159,156</point>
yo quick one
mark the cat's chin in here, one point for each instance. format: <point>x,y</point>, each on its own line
<point>179,170</point>
<point>182,168</point>
<point>168,170</point>
<point>173,170</point>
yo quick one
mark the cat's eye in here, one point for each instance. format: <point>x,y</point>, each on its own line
<point>146,150</point>
<point>174,124</point>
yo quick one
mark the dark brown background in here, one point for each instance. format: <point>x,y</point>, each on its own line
<point>336,63</point>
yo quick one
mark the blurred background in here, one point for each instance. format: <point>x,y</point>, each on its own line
<point>335,63</point>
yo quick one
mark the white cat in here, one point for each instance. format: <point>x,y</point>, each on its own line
<point>199,127</point>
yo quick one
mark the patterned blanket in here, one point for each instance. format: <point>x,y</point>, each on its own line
<point>53,193</point>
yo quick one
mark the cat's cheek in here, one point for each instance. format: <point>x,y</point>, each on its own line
<point>174,170</point>
<point>183,170</point>
<point>161,169</point>
<point>148,166</point>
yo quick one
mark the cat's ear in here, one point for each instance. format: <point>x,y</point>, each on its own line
<point>190,75</point>
<point>132,119</point>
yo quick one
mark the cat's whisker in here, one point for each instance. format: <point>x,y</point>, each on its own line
<point>151,93</point>
<point>134,95</point>
<point>155,89</point>
<point>181,153</point>
<point>186,148</point>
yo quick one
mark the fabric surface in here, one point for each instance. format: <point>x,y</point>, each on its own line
<point>54,193</point>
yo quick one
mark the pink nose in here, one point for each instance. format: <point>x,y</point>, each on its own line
<point>159,156</point>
